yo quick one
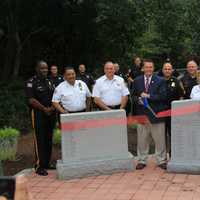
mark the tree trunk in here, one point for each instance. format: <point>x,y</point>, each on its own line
<point>9,53</point>
<point>11,43</point>
<point>17,59</point>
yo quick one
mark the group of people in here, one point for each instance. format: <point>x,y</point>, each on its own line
<point>150,93</point>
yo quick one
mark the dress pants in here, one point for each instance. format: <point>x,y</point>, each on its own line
<point>157,132</point>
<point>43,134</point>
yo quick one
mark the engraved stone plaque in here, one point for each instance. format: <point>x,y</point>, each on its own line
<point>94,143</point>
<point>185,139</point>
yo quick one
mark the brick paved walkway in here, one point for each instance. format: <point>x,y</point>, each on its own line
<point>152,183</point>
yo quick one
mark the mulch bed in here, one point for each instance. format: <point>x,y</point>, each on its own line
<point>25,156</point>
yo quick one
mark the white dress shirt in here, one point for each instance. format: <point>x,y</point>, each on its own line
<point>72,97</point>
<point>110,91</point>
<point>195,93</point>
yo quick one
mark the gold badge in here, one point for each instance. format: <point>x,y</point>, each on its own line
<point>80,87</point>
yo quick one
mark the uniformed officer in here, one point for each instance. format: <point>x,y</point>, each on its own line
<point>118,72</point>
<point>55,78</point>
<point>175,91</point>
<point>136,69</point>
<point>85,77</point>
<point>189,79</point>
<point>110,91</point>
<point>72,95</point>
<point>39,90</point>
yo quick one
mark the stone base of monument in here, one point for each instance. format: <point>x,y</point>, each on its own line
<point>185,138</point>
<point>94,143</point>
<point>192,168</point>
<point>94,168</point>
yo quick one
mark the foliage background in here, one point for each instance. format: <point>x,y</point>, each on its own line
<point>69,32</point>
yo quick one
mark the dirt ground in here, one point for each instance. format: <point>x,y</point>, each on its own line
<point>25,156</point>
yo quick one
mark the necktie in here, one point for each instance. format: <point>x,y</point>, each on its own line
<point>147,85</point>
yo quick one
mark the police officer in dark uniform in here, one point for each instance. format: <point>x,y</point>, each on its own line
<point>175,91</point>
<point>118,72</point>
<point>175,73</point>
<point>85,77</point>
<point>136,69</point>
<point>55,78</point>
<point>39,91</point>
<point>189,79</point>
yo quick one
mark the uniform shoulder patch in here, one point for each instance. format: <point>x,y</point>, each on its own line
<point>80,86</point>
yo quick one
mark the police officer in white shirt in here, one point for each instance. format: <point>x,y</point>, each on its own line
<point>71,95</point>
<point>110,91</point>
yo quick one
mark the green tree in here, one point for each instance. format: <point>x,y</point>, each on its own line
<point>166,33</point>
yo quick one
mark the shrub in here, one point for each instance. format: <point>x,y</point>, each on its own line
<point>133,126</point>
<point>57,137</point>
<point>14,110</point>
<point>8,143</point>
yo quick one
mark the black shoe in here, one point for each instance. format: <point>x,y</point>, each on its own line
<point>35,167</point>
<point>41,171</point>
<point>140,166</point>
<point>51,167</point>
<point>163,166</point>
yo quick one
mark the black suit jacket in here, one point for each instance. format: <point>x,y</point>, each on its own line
<point>157,100</point>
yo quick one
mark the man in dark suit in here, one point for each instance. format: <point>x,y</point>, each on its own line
<point>149,94</point>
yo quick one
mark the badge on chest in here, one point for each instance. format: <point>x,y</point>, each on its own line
<point>80,87</point>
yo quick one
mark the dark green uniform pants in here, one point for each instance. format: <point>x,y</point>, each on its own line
<point>43,127</point>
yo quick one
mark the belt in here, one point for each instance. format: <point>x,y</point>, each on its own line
<point>77,111</point>
<point>115,107</point>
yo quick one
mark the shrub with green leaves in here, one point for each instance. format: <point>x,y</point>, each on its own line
<point>8,143</point>
<point>57,137</point>
<point>14,110</point>
<point>133,126</point>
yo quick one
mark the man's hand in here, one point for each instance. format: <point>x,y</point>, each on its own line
<point>101,104</point>
<point>140,102</point>
<point>64,112</point>
<point>130,79</point>
<point>3,198</point>
<point>49,110</point>
<point>145,95</point>
<point>59,108</point>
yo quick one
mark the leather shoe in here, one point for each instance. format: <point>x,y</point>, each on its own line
<point>140,166</point>
<point>163,166</point>
<point>41,171</point>
<point>51,167</point>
